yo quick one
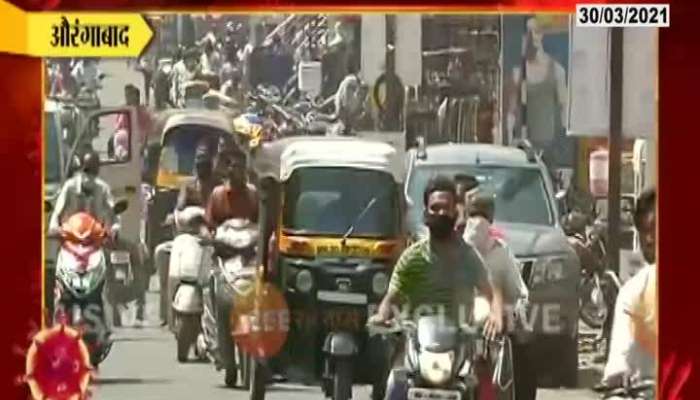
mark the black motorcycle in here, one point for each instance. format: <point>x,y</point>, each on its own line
<point>642,390</point>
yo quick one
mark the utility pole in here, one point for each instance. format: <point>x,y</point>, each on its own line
<point>615,146</point>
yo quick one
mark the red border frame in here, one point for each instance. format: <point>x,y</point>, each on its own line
<point>679,89</point>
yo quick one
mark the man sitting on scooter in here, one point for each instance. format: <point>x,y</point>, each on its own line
<point>442,270</point>
<point>236,198</point>
<point>85,191</point>
<point>194,193</point>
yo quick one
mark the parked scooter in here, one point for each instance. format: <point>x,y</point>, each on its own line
<point>81,268</point>
<point>442,359</point>
<point>190,263</point>
<point>233,275</point>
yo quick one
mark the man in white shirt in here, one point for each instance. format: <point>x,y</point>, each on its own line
<point>211,58</point>
<point>87,74</point>
<point>505,274</point>
<point>634,333</point>
<point>85,191</point>
<point>184,71</point>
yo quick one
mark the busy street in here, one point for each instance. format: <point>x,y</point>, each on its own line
<point>251,165</point>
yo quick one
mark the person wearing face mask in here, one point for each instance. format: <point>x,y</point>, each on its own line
<point>467,187</point>
<point>85,191</point>
<point>441,272</point>
<point>634,334</point>
<point>505,275</point>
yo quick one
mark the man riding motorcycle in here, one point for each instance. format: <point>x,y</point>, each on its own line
<point>193,193</point>
<point>440,271</point>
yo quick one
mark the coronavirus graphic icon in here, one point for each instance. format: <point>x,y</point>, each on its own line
<point>58,365</point>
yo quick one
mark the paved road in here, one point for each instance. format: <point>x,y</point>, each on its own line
<point>142,364</point>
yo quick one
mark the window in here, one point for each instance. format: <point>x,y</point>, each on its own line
<point>328,200</point>
<point>520,193</point>
<point>177,155</point>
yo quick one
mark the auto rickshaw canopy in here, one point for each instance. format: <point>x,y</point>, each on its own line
<point>279,159</point>
<point>210,118</point>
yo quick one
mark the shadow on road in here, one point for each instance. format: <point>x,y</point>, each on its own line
<point>589,377</point>
<point>129,381</point>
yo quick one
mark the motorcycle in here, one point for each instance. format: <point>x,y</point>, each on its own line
<point>642,390</point>
<point>81,269</point>
<point>446,361</point>
<point>190,263</point>
<point>235,244</point>
<point>599,285</point>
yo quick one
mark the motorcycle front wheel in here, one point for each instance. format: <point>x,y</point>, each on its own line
<point>186,330</point>
<point>342,379</point>
<point>592,313</point>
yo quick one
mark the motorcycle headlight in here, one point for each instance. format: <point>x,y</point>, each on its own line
<point>547,270</point>
<point>380,283</point>
<point>304,281</point>
<point>436,368</point>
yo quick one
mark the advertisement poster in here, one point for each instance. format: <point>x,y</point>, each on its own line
<point>537,47</point>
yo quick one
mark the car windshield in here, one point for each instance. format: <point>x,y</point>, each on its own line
<point>520,193</point>
<point>52,165</point>
<point>181,144</point>
<point>329,200</point>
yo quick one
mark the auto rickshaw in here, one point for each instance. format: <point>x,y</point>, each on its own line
<point>332,219</point>
<point>170,162</point>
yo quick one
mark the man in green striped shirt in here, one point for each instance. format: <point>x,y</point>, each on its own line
<point>441,273</point>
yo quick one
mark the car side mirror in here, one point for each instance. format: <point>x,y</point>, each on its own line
<point>120,206</point>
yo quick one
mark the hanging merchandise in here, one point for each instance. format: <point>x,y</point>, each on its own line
<point>310,78</point>
<point>598,167</point>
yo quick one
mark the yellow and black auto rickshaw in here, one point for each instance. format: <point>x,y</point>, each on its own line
<point>170,162</point>
<point>333,212</point>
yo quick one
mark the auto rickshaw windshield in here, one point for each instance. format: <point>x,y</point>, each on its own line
<point>180,145</point>
<point>329,201</point>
